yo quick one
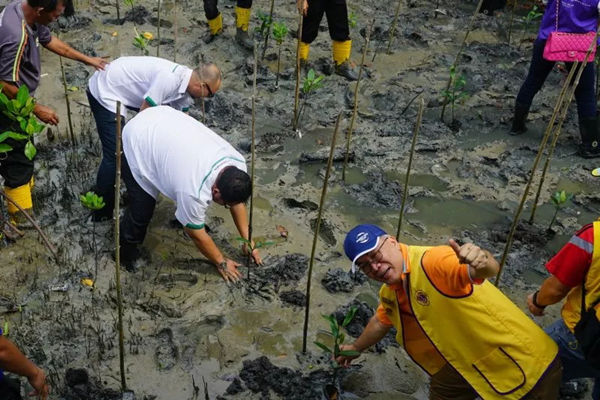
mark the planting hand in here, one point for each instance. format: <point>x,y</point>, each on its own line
<point>45,114</point>
<point>229,270</point>
<point>38,382</point>
<point>303,8</point>
<point>345,361</point>
<point>97,62</point>
<point>255,254</point>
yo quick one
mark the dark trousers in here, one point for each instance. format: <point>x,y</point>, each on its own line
<point>211,11</point>
<point>538,72</point>
<point>10,389</point>
<point>15,168</point>
<point>106,124</point>
<point>139,210</point>
<point>337,20</point>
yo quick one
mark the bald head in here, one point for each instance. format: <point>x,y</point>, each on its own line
<point>205,80</point>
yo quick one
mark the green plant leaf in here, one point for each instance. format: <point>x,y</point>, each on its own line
<point>4,148</point>
<point>349,353</point>
<point>30,150</point>
<point>22,95</point>
<point>310,75</point>
<point>323,347</point>
<point>341,338</point>
<point>349,316</point>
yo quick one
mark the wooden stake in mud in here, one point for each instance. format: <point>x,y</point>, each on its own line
<point>410,159</point>
<point>512,17</point>
<point>158,29</point>
<point>30,219</point>
<point>317,227</point>
<point>460,49</point>
<point>297,92</point>
<point>176,12</point>
<point>354,111</point>
<point>64,79</point>
<point>252,160</point>
<point>118,11</point>
<point>264,50</point>
<point>393,27</point>
<point>118,251</point>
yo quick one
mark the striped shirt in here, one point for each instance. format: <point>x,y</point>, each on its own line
<point>573,261</point>
<point>19,47</point>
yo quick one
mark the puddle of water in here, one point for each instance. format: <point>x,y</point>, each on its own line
<point>425,180</point>
<point>457,213</point>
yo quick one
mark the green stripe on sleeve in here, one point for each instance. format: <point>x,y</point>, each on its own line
<point>150,101</point>
<point>192,226</point>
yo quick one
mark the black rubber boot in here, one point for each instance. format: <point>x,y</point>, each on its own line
<point>518,125</point>
<point>588,128</point>
<point>130,254</point>
<point>345,70</point>
<point>243,39</point>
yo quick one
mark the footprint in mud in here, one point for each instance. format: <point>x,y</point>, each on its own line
<point>166,351</point>
<point>171,280</point>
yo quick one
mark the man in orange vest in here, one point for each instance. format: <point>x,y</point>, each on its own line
<point>578,259</point>
<point>469,337</point>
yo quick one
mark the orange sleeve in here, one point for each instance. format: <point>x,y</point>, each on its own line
<point>445,272</point>
<point>382,315</point>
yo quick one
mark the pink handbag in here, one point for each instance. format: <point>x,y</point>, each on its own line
<point>569,47</point>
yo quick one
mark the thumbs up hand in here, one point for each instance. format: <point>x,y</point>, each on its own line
<point>470,254</point>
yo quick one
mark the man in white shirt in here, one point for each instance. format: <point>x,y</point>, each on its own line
<point>139,83</point>
<point>169,152</point>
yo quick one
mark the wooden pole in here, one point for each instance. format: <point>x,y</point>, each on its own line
<point>410,159</point>
<point>264,51</point>
<point>297,90</point>
<point>393,27</point>
<point>316,236</point>
<point>158,30</point>
<point>355,109</point>
<point>64,79</point>
<point>512,17</point>
<point>252,160</point>
<point>118,251</point>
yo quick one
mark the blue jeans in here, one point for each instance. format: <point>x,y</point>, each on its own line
<point>574,364</point>
<point>106,123</point>
<point>538,72</point>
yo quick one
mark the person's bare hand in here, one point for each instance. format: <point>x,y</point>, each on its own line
<point>302,8</point>
<point>535,310</point>
<point>38,382</point>
<point>470,254</point>
<point>345,361</point>
<point>255,254</point>
<point>45,114</point>
<point>98,63</point>
<point>230,273</point>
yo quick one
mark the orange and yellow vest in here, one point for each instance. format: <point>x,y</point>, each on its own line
<point>571,311</point>
<point>497,349</point>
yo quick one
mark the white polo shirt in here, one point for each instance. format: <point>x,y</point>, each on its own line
<point>171,153</point>
<point>132,80</point>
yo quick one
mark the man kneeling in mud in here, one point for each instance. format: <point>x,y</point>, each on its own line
<point>454,324</point>
<point>167,151</point>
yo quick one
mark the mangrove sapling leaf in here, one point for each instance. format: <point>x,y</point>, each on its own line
<point>338,337</point>
<point>30,150</point>
<point>92,201</point>
<point>352,19</point>
<point>324,347</point>
<point>4,148</point>
<point>280,30</point>
<point>349,316</point>
<point>265,24</point>
<point>559,199</point>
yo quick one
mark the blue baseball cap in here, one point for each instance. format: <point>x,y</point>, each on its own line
<point>360,240</point>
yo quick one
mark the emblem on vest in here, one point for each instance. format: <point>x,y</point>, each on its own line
<point>422,298</point>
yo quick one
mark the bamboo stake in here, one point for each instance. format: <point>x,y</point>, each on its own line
<point>203,110</point>
<point>410,159</point>
<point>118,252</point>
<point>176,11</point>
<point>64,79</point>
<point>354,111</point>
<point>317,227</point>
<point>553,144</point>
<point>460,49</point>
<point>118,11</point>
<point>393,27</point>
<point>252,160</point>
<point>35,225</point>
<point>158,30</point>
<point>512,16</point>
<point>527,187</point>
<point>264,51</point>
<point>297,91</point>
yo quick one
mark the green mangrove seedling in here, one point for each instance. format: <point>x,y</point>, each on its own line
<point>338,337</point>
<point>93,202</point>
<point>352,19</point>
<point>311,83</point>
<point>280,30</point>
<point>265,24</point>
<point>20,111</point>
<point>455,93</point>
<point>559,199</point>
<point>141,41</point>
<point>533,15</point>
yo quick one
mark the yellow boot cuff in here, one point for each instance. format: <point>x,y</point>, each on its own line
<point>242,18</point>
<point>216,24</point>
<point>22,195</point>
<point>304,48</point>
<point>341,51</point>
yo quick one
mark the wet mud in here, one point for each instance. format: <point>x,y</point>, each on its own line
<point>184,327</point>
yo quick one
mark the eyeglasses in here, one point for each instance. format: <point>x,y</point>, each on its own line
<point>209,90</point>
<point>374,258</point>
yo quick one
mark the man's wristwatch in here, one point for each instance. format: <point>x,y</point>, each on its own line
<point>534,300</point>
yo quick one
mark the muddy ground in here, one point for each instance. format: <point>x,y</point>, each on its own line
<point>186,331</point>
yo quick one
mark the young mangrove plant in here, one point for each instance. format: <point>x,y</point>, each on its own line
<point>264,27</point>
<point>297,89</point>
<point>317,227</point>
<point>68,102</point>
<point>266,43</point>
<point>158,29</point>
<point>24,124</point>
<point>93,202</point>
<point>533,15</point>
<point>455,92</point>
<point>130,3</point>
<point>352,19</point>
<point>311,83</point>
<point>280,30</point>
<point>559,199</point>
<point>141,41</point>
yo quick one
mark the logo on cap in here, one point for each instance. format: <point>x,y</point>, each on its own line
<point>362,237</point>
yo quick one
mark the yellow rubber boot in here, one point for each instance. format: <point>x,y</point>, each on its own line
<point>216,25</point>
<point>341,57</point>
<point>22,196</point>
<point>304,49</point>
<point>242,18</point>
